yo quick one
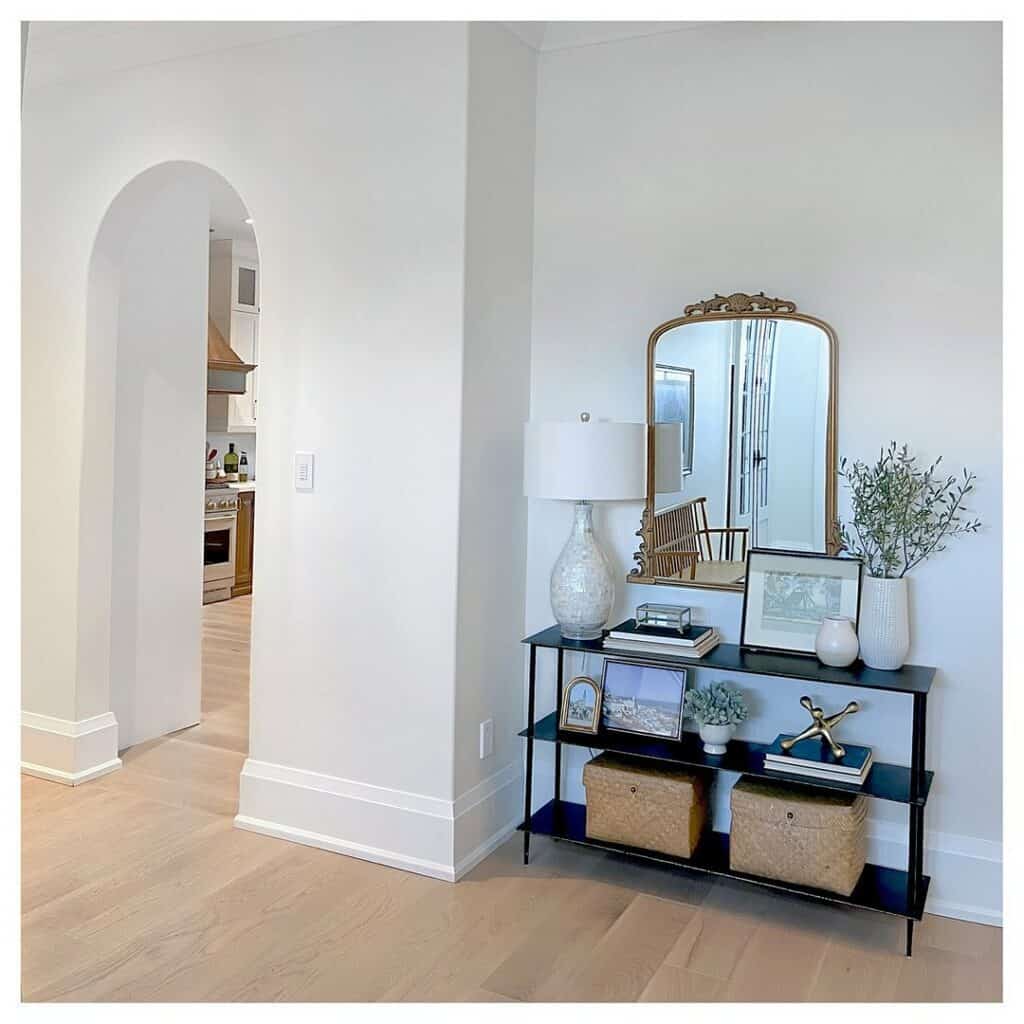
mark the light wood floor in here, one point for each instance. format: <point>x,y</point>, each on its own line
<point>136,887</point>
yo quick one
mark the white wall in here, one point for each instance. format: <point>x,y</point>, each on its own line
<point>160,404</point>
<point>495,404</point>
<point>855,169</point>
<point>362,257</point>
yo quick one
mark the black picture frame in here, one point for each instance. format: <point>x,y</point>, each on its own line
<point>677,730</point>
<point>820,557</point>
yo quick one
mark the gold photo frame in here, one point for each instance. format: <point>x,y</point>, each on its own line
<point>581,706</point>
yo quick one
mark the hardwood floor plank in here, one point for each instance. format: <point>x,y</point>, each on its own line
<point>672,984</point>
<point>779,964</point>
<point>512,910</point>
<point>559,947</point>
<point>626,958</point>
<point>940,976</point>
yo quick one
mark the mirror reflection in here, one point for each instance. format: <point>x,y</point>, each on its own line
<point>741,442</point>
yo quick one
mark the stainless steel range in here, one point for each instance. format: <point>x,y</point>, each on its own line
<point>221,521</point>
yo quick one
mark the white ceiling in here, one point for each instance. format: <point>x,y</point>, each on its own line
<point>546,36</point>
<point>62,51</point>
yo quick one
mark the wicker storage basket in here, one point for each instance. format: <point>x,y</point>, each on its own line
<point>796,835</point>
<point>645,804</point>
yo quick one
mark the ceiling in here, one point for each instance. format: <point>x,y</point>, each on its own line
<point>62,51</point>
<point>546,36</point>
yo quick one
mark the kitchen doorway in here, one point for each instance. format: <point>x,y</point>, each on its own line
<point>167,309</point>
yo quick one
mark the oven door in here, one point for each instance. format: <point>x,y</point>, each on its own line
<point>219,546</point>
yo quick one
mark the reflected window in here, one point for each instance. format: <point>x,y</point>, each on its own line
<point>673,403</point>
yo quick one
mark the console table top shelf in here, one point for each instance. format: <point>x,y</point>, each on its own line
<point>733,658</point>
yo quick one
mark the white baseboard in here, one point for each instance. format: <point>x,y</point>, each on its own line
<point>403,830</point>
<point>66,751</point>
<point>433,869</point>
<point>966,873</point>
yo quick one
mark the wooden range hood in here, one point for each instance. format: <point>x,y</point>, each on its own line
<point>225,372</point>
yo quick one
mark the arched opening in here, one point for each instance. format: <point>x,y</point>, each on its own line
<point>145,541</point>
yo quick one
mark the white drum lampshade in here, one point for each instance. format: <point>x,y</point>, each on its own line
<point>584,462</point>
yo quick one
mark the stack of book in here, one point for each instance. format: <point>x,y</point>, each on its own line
<point>692,642</point>
<point>814,759</point>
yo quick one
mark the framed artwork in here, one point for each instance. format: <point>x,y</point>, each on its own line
<point>581,705</point>
<point>673,403</point>
<point>787,593</point>
<point>643,697</point>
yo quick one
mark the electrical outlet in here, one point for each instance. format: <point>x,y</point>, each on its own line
<point>486,738</point>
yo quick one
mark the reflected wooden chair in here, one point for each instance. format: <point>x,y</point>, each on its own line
<point>683,540</point>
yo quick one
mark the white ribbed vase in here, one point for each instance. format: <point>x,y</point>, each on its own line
<point>582,585</point>
<point>884,623</point>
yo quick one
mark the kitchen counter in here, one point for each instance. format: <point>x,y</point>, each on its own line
<point>249,485</point>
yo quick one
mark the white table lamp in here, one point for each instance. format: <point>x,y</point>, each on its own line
<point>584,462</point>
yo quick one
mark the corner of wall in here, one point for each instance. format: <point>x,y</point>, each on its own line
<point>68,752</point>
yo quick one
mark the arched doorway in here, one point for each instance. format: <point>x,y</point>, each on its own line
<point>143,485</point>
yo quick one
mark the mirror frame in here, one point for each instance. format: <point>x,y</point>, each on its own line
<point>738,306</point>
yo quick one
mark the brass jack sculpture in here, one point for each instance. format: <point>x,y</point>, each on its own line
<point>822,726</point>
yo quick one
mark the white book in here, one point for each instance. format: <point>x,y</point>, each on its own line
<point>818,766</point>
<point>639,647</point>
<point>818,773</point>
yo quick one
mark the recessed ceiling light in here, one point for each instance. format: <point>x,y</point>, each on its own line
<point>248,220</point>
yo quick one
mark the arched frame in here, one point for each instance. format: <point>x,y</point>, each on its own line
<point>737,306</point>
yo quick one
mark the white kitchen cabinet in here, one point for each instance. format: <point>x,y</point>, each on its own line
<point>234,307</point>
<point>245,285</point>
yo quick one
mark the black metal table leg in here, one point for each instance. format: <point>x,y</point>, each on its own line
<point>531,700</point>
<point>915,843</point>
<point>558,711</point>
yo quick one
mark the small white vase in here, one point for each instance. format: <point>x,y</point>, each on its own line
<point>836,643</point>
<point>884,623</point>
<point>582,585</point>
<point>715,737</point>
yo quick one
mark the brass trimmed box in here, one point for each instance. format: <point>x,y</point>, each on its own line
<point>794,834</point>
<point>639,803</point>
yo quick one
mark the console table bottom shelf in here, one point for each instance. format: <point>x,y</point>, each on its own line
<point>880,889</point>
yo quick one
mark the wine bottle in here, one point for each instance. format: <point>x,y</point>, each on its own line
<point>243,467</point>
<point>231,462</point>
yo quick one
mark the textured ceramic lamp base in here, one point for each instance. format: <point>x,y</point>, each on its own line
<point>582,585</point>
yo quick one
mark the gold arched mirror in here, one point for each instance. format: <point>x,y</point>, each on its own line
<point>741,440</point>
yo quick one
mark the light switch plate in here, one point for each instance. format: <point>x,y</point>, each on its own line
<point>486,738</point>
<point>303,471</point>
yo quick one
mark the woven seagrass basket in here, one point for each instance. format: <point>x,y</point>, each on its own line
<point>644,804</point>
<point>796,835</point>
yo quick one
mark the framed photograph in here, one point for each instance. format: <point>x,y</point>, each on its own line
<point>643,697</point>
<point>787,593</point>
<point>581,705</point>
<point>673,403</point>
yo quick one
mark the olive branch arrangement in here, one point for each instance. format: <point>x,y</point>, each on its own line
<point>902,514</point>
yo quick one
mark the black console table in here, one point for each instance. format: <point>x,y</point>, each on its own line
<point>886,890</point>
